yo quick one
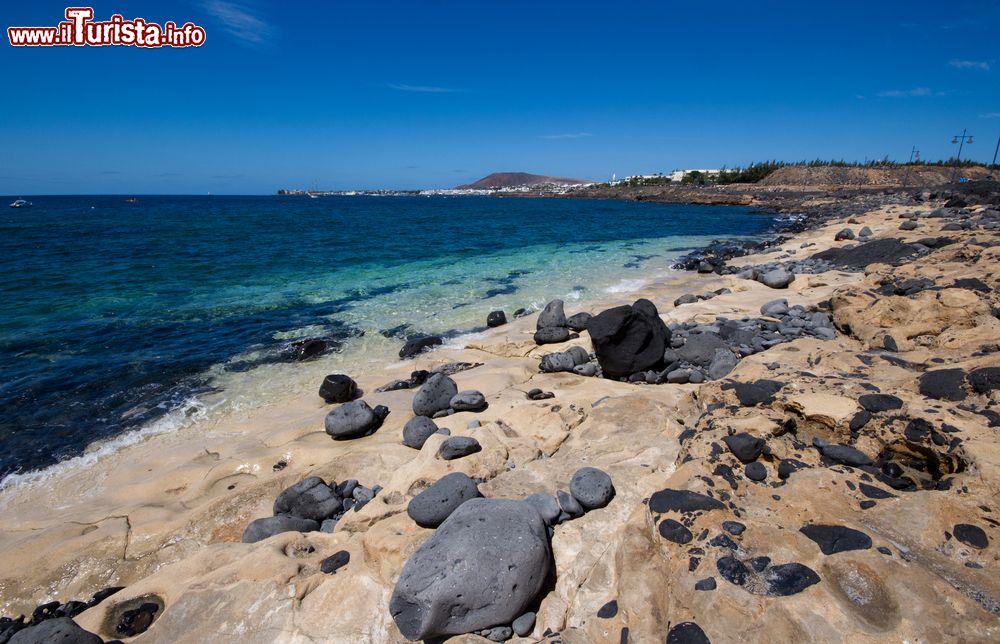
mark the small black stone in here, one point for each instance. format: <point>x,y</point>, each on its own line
<point>732,570</point>
<point>733,527</point>
<point>789,579</point>
<point>884,550</point>
<point>687,633</point>
<point>859,420</point>
<point>673,531</point>
<point>880,402</point>
<point>755,471</point>
<point>971,535</point>
<point>943,384</point>
<point>789,465</point>
<point>744,446</point>
<point>708,583</point>
<point>723,541</point>
<point>608,610</point>
<point>867,505</point>
<point>334,562</point>
<point>873,492</point>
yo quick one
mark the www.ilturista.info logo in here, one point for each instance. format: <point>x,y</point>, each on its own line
<point>80,30</point>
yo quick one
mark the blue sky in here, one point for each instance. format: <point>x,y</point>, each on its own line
<point>433,94</point>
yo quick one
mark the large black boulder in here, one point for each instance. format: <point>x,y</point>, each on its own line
<point>417,345</point>
<point>59,630</point>
<point>485,565</point>
<point>629,339</point>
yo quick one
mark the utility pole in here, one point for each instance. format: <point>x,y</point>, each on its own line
<point>994,164</point>
<point>961,140</point>
<point>914,156</point>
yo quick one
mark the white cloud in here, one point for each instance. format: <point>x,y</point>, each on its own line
<point>240,22</point>
<point>909,93</point>
<point>425,89</point>
<point>990,115</point>
<point>570,135</point>
<point>981,65</point>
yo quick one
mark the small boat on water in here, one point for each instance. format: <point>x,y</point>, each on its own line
<point>132,200</point>
<point>20,203</point>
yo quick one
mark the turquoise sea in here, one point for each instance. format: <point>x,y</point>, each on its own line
<point>119,318</point>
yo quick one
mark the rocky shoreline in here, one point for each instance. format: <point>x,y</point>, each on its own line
<point>796,440</point>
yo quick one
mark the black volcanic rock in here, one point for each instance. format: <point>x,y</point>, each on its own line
<point>629,339</point>
<point>832,539</point>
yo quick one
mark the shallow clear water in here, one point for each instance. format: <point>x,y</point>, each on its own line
<point>116,316</point>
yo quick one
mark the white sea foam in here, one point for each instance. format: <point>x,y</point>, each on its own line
<point>627,286</point>
<point>190,412</point>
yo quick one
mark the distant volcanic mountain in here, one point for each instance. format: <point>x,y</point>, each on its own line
<point>499,180</point>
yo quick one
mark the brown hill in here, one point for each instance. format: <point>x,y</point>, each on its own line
<point>499,180</point>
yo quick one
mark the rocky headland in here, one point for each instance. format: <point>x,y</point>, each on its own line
<point>784,441</point>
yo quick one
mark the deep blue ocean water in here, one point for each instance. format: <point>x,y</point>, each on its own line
<point>114,314</point>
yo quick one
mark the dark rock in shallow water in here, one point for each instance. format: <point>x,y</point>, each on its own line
<point>943,384</point>
<point>430,508</point>
<point>417,430</point>
<point>495,319</point>
<point>334,562</point>
<point>880,402</point>
<point>832,539</point>
<point>629,339</point>
<point>310,498</point>
<point>971,535</point>
<point>269,526</point>
<point>338,388</point>
<point>418,345</point>
<point>757,392</point>
<point>59,630</point>
<point>458,447</point>
<point>469,400</point>
<point>434,395</point>
<point>354,420</point>
<point>578,321</point>
<point>673,531</point>
<point>687,633</point>
<point>744,446</point>
<point>551,335</point>
<point>507,556</point>
<point>682,501</point>
<point>687,298</point>
<point>553,315</point>
<point>592,488</point>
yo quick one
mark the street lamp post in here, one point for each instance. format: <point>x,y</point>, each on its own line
<point>914,155</point>
<point>961,140</point>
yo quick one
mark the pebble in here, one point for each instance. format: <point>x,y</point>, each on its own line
<point>334,562</point>
<point>707,583</point>
<point>434,395</point>
<point>755,471</point>
<point>832,539</point>
<point>338,388</point>
<point>687,633</point>
<point>430,508</point>
<point>971,535</point>
<point>744,446</point>
<point>524,624</point>
<point>469,400</point>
